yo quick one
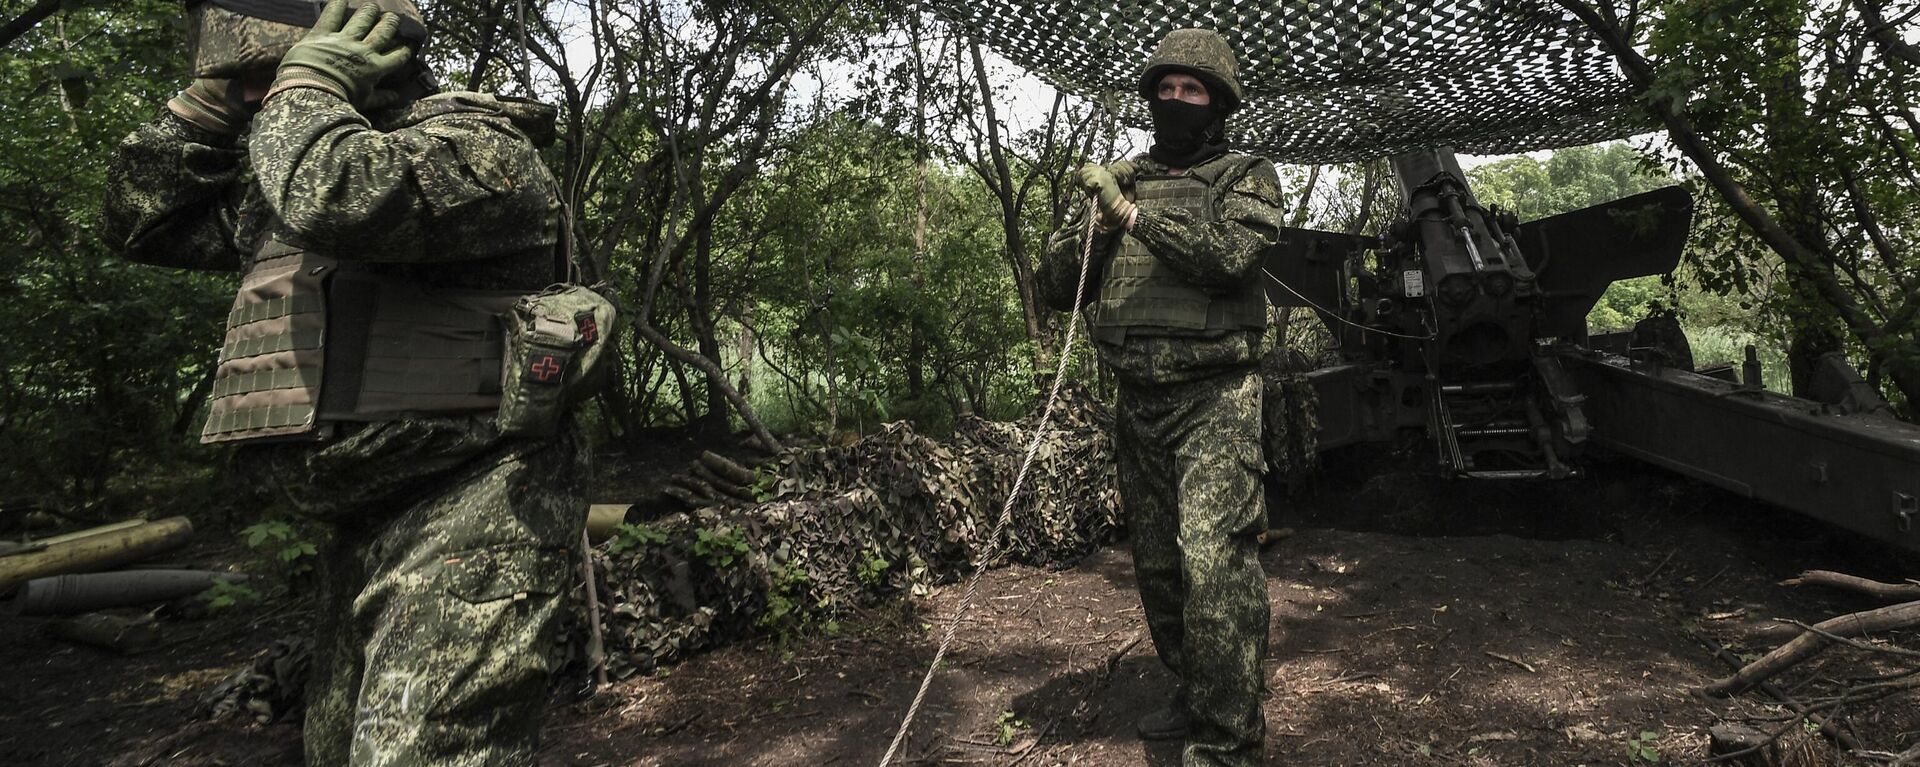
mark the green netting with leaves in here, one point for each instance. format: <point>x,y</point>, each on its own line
<point>1342,81</point>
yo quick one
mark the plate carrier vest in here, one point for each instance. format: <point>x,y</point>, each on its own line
<point>312,340</point>
<point>1140,293</point>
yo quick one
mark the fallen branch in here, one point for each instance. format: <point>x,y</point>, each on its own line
<point>1854,643</point>
<point>1890,592</point>
<point>1515,661</point>
<point>713,479</point>
<point>727,468</point>
<point>1812,642</point>
<point>1827,725</point>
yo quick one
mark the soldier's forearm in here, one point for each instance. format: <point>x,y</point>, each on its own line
<point>1215,255</point>
<point>329,175</point>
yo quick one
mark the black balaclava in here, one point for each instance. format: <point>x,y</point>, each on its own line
<point>1185,135</point>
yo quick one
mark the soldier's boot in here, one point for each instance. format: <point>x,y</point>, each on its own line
<point>1169,723</point>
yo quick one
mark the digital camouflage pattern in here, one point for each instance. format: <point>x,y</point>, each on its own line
<point>1201,52</point>
<point>444,624</point>
<point>1189,466</point>
<point>444,586</point>
<point>1217,254</point>
<point>1188,444</point>
<point>224,43</point>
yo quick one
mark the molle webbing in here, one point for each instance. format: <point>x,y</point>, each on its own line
<point>270,363</point>
<point>311,340</point>
<point>1140,291</point>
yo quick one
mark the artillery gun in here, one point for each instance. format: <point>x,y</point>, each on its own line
<point>1465,327</point>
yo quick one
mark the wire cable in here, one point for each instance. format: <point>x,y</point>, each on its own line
<point>1337,318</point>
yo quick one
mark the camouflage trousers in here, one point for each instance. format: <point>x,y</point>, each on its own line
<point>1190,465</point>
<point>442,598</point>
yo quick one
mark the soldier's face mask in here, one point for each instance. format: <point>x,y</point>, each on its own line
<point>1185,133</point>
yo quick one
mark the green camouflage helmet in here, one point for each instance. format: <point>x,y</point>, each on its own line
<point>1198,52</point>
<point>228,37</point>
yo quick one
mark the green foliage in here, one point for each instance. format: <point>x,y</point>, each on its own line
<point>100,360</point>
<point>1567,180</point>
<point>872,568</point>
<point>282,545</point>
<point>787,605</point>
<point>1808,107</point>
<point>634,536</point>
<point>1006,727</point>
<point>719,547</point>
<point>224,594</point>
<point>1640,748</point>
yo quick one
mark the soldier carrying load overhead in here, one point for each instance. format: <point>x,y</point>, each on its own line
<point>383,230</point>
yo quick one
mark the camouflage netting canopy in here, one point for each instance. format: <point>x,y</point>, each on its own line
<point>1345,80</point>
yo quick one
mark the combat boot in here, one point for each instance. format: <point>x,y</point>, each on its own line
<point>1169,723</point>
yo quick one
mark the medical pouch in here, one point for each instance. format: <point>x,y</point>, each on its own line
<point>556,342</point>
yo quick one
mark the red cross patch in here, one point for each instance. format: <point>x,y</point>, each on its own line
<point>544,369</point>
<point>589,329</point>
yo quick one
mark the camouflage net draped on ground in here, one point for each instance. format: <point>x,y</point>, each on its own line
<point>1342,81</point>
<point>843,525</point>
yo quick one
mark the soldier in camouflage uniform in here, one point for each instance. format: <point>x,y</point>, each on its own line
<point>1177,314</point>
<point>380,228</point>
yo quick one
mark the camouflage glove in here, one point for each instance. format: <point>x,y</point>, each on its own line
<point>1116,211</point>
<point>1123,171</point>
<point>214,105</point>
<point>348,60</point>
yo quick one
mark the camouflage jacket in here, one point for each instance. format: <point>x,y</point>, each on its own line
<point>448,190</point>
<point>1215,256</point>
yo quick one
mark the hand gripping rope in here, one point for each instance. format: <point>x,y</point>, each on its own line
<point>1006,510</point>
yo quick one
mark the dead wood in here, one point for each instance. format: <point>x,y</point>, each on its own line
<point>1743,745</point>
<point>726,468</point>
<point>700,472</point>
<point>92,553</point>
<point>684,495</point>
<point>1827,725</point>
<point>706,489</point>
<point>1812,642</point>
<point>1890,592</point>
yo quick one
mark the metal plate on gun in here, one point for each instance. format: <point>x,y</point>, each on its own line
<point>1415,281</point>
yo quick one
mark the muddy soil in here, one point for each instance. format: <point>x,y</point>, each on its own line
<point>1415,622</point>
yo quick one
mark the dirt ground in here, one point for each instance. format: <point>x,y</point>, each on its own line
<point>1415,622</point>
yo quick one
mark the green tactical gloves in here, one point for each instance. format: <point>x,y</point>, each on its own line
<point>1116,211</point>
<point>347,60</point>
<point>214,105</point>
<point>1123,171</point>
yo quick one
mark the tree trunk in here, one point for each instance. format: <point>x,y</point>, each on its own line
<point>700,315</point>
<point>1811,331</point>
<point>1903,369</point>
<point>999,174</point>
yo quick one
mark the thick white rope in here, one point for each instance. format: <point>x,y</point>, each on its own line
<point>1006,510</point>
